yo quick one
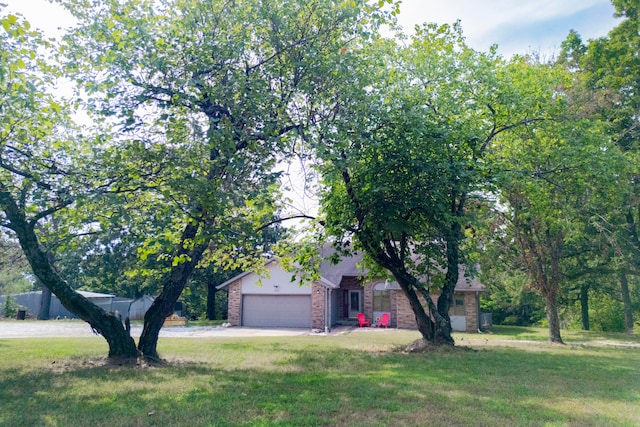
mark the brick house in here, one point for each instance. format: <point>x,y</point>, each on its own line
<point>336,298</point>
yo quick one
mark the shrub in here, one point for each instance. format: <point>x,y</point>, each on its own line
<point>10,307</point>
<point>606,314</point>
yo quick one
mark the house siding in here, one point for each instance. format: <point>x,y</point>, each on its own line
<point>235,303</point>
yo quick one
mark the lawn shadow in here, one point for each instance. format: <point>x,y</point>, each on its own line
<point>319,385</point>
<point>518,331</point>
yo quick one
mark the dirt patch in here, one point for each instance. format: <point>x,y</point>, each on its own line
<point>423,346</point>
<point>75,364</point>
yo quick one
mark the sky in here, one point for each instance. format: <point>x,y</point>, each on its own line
<point>516,26</point>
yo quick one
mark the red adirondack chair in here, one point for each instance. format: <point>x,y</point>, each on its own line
<point>362,321</point>
<point>384,320</point>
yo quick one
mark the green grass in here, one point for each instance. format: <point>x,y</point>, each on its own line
<point>512,377</point>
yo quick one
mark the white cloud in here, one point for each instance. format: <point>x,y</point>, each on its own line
<point>515,25</point>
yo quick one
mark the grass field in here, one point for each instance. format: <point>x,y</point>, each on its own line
<point>511,377</point>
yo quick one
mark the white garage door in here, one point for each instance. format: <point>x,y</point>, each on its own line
<point>459,323</point>
<point>284,311</point>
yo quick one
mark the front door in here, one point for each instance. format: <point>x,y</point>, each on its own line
<point>355,303</point>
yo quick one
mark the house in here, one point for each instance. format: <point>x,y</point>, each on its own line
<point>336,298</point>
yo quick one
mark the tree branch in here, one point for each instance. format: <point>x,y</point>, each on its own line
<point>278,220</point>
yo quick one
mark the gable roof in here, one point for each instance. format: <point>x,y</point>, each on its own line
<point>329,283</point>
<point>348,266</point>
<point>331,274</point>
<point>241,275</point>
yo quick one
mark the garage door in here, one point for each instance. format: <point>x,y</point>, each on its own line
<point>284,311</point>
<point>459,323</point>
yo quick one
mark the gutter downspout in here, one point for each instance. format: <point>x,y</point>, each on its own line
<point>478,313</point>
<point>327,309</point>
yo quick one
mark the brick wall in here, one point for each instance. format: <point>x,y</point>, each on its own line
<point>407,320</point>
<point>318,299</point>
<point>393,322</point>
<point>471,311</point>
<point>350,282</point>
<point>235,303</point>
<point>393,297</point>
<point>367,304</point>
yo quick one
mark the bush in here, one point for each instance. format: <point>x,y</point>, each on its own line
<point>606,314</point>
<point>10,307</point>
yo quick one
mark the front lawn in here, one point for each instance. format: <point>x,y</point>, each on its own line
<point>356,379</point>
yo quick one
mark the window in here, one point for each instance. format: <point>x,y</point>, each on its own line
<point>457,308</point>
<point>381,298</point>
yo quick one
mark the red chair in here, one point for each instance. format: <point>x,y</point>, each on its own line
<point>362,321</point>
<point>384,320</point>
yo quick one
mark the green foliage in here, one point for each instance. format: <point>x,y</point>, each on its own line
<point>198,102</point>
<point>10,308</point>
<point>14,281</point>
<point>219,92</point>
<point>510,300</point>
<point>36,136</point>
<point>409,140</point>
<point>15,273</point>
<point>606,314</point>
<point>195,300</point>
<point>605,88</point>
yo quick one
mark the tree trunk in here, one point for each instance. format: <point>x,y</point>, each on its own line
<point>409,285</point>
<point>45,304</point>
<point>551,301</point>
<point>443,327</point>
<point>211,301</point>
<point>632,230</point>
<point>163,305</point>
<point>120,342</point>
<point>584,306</point>
<point>626,301</point>
<point>425,325</point>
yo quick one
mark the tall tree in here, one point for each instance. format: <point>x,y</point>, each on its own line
<point>607,86</point>
<point>552,181</point>
<point>41,161</point>
<point>221,89</point>
<point>404,152</point>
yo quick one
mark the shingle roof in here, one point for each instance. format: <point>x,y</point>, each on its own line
<point>348,266</point>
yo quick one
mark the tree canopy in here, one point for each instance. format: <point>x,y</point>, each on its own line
<point>431,154</point>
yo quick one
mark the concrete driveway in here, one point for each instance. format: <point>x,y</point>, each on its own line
<point>77,328</point>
